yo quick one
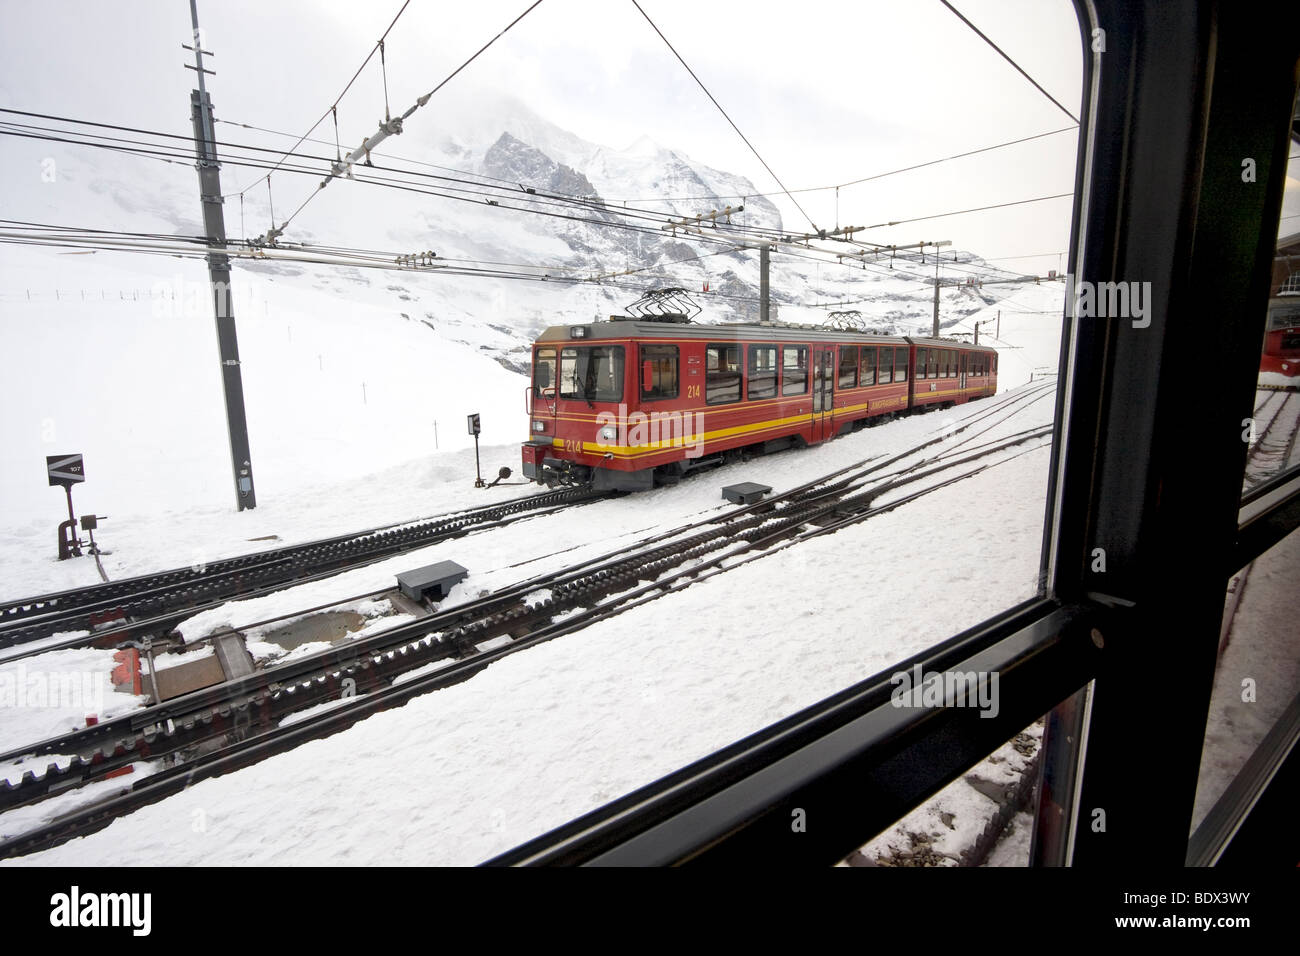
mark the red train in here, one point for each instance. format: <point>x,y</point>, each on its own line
<point>623,403</point>
<point>1279,365</point>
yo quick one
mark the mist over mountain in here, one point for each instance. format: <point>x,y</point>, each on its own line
<point>575,217</point>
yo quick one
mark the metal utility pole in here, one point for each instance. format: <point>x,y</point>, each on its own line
<point>764,299</point>
<point>937,246</point>
<point>214,222</point>
<point>934,334</point>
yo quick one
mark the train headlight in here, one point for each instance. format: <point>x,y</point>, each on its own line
<point>539,425</point>
<point>608,433</point>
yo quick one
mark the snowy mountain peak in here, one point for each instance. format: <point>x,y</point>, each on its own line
<point>511,159</point>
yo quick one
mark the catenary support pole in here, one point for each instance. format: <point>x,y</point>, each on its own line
<point>209,168</point>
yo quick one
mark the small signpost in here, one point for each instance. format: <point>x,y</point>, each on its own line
<point>474,428</point>
<point>67,470</point>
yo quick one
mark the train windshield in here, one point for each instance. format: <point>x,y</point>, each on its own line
<point>592,373</point>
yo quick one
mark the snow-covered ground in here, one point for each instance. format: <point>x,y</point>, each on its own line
<point>357,390</point>
<point>555,731</point>
<point>1258,674</point>
<point>541,736</point>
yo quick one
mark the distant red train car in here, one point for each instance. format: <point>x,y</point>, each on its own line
<point>628,402</point>
<point>1279,365</point>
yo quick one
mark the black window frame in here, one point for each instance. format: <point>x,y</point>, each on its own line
<point>885,374</point>
<point>867,369</point>
<point>900,363</point>
<point>1215,87</point>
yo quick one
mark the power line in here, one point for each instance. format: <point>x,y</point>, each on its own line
<point>147,149</point>
<point>333,106</point>
<point>389,127</point>
<point>604,212</point>
<point>1036,255</point>
<point>725,116</point>
<point>474,196</point>
<point>962,212</point>
<point>854,182</point>
<point>983,37</point>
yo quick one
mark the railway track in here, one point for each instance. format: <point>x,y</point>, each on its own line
<point>117,611</point>
<point>218,729</point>
<point>1274,449</point>
<point>1273,452</point>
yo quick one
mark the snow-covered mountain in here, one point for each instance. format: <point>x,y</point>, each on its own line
<point>350,370</point>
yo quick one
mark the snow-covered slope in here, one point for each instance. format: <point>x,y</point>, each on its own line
<point>346,371</point>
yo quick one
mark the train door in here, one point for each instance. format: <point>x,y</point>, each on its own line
<point>823,394</point>
<point>539,397</point>
<point>964,357</point>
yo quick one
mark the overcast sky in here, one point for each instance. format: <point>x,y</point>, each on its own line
<point>827,92</point>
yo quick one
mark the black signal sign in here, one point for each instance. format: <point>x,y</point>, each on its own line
<point>65,470</point>
<point>474,424</point>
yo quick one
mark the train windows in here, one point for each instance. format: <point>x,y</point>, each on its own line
<point>950,363</point>
<point>543,370</point>
<point>900,365</point>
<point>932,363</point>
<point>794,369</point>
<point>762,371</point>
<point>868,365</point>
<point>659,372</point>
<point>592,373</point>
<point>920,363</point>
<point>886,366</point>
<point>722,379</point>
<point>848,366</point>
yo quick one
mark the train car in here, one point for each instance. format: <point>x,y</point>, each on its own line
<point>950,373</point>
<point>625,403</point>
<point>1279,365</point>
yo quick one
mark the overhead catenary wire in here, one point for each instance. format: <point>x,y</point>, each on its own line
<point>605,209</point>
<point>333,108</point>
<point>864,179</point>
<point>962,212</point>
<point>537,196</point>
<point>1004,56</point>
<point>505,187</point>
<point>725,116</point>
<point>897,273</point>
<point>390,127</point>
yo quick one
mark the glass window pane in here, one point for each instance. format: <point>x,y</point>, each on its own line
<point>592,373</point>
<point>762,371</point>
<point>869,365</point>
<point>722,374</point>
<point>848,366</point>
<point>794,369</point>
<point>659,372</point>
